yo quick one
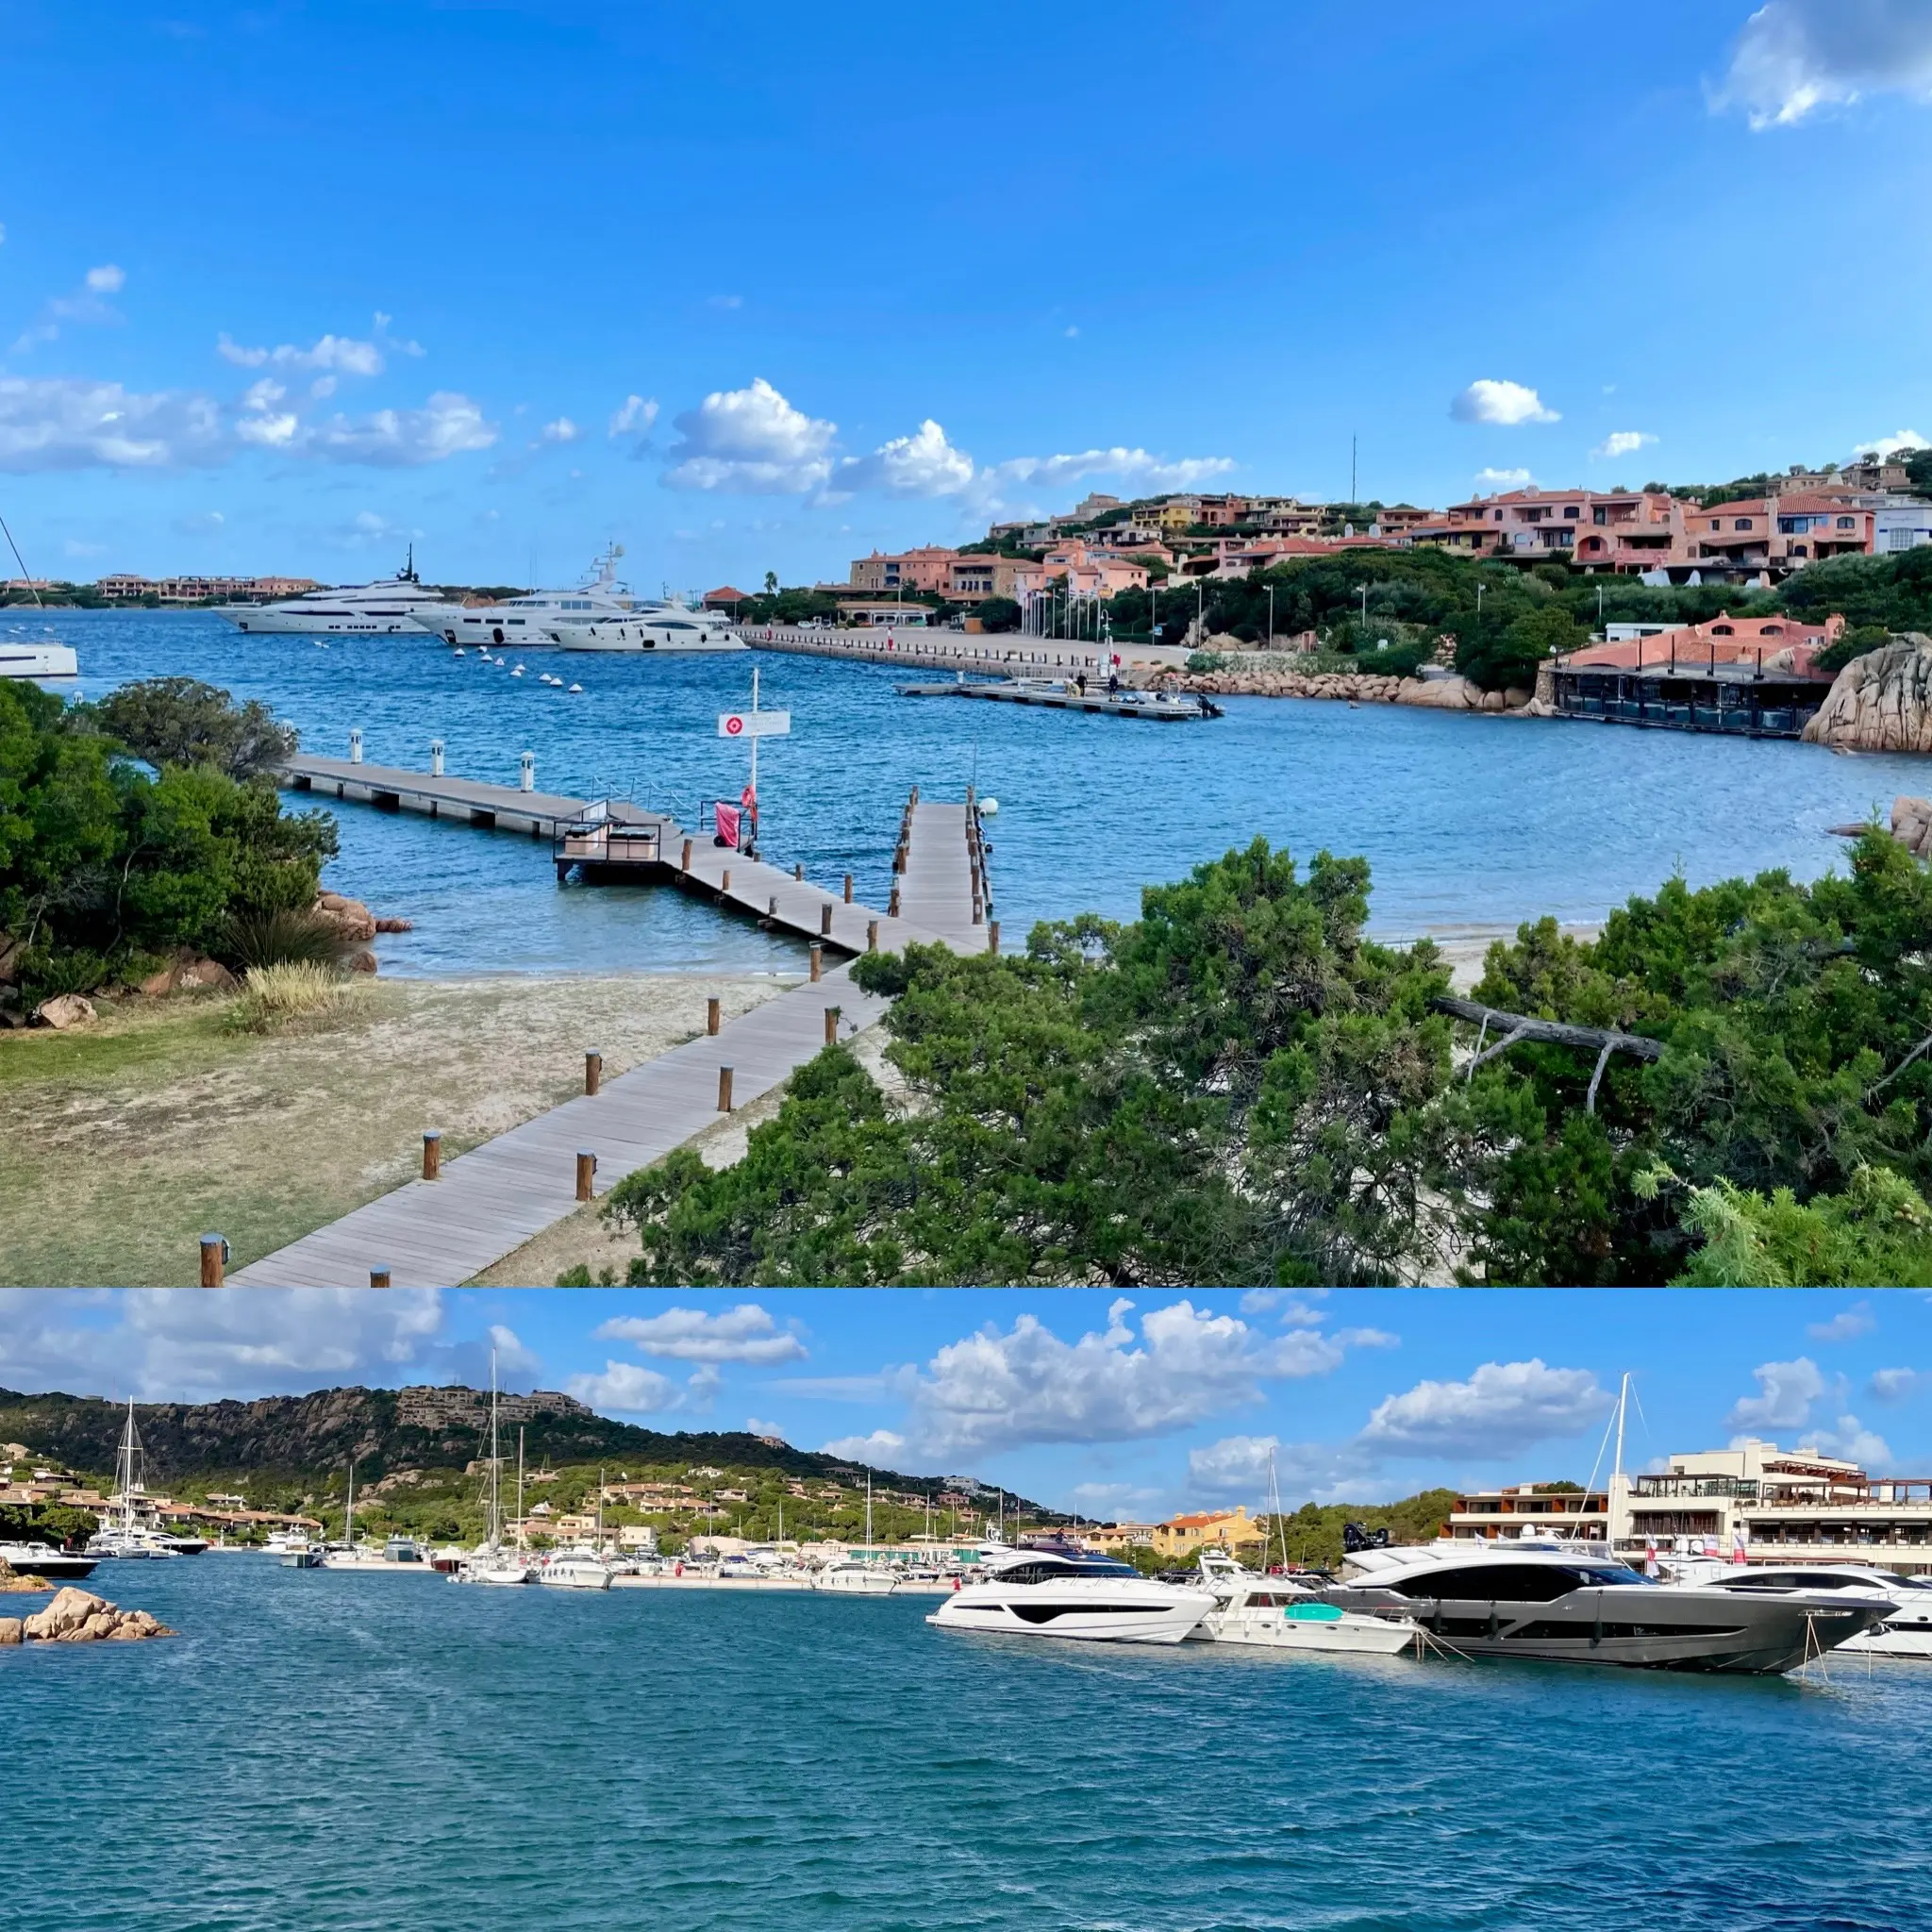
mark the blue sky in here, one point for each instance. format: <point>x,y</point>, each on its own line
<point>285,287</point>
<point>1106,1405</point>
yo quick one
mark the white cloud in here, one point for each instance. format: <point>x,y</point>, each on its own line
<point>448,425</point>
<point>1894,444</point>
<point>201,1345</point>
<point>1796,56</point>
<point>87,303</point>
<point>744,1334</point>
<point>1502,479</point>
<point>342,353</point>
<point>754,1426</point>
<point>69,422</point>
<point>1129,465</point>
<point>1622,442</point>
<point>512,1358</point>
<point>877,1451</point>
<point>107,279</point>
<point>1784,1394</point>
<point>634,418</point>
<point>563,430</point>
<point>992,1391</point>
<point>627,1389</point>
<point>1503,1408</point>
<point>1235,1466</point>
<point>1898,1384</point>
<point>1509,403</point>
<point>262,424</point>
<point>751,440</point>
<point>1847,1324</point>
<point>922,464</point>
<point>1852,1439</point>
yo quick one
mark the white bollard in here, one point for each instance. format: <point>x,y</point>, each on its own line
<point>527,781</point>
<point>355,746</point>
<point>436,757</point>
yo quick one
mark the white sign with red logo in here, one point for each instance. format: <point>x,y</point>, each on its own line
<point>754,724</point>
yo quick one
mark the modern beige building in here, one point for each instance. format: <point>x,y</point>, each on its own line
<point>1530,1509</point>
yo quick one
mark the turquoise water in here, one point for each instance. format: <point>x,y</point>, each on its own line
<point>1466,821</point>
<point>340,1753</point>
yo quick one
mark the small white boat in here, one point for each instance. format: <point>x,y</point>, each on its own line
<point>38,660</point>
<point>857,1579</point>
<point>574,1570</point>
<point>1281,1613</point>
<point>1088,1599</point>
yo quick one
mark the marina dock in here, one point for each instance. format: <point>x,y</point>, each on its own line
<point>485,1203</point>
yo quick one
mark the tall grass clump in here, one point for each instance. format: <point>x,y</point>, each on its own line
<point>273,996</point>
<point>283,936</point>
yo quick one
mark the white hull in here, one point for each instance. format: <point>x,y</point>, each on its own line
<point>498,1576</point>
<point>574,1579</point>
<point>268,620</point>
<point>1151,1615</point>
<point>1347,1633</point>
<point>643,638</point>
<point>856,1582</point>
<point>38,660</point>
<point>1888,1639</point>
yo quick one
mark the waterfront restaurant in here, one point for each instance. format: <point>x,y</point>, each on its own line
<point>1788,1506</point>
<point>1532,1509</point>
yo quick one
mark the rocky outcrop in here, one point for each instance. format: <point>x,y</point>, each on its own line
<point>1880,701</point>
<point>189,973</point>
<point>78,1616</point>
<point>66,1011</point>
<point>1911,825</point>
<point>1355,687</point>
<point>20,1582</point>
<point>350,917</point>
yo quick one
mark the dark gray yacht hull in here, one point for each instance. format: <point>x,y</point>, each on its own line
<point>1639,1629</point>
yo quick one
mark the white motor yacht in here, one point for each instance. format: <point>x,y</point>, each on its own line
<point>1568,1603</point>
<point>18,660</point>
<point>1284,1613</point>
<point>577,1569</point>
<point>1906,1632</point>
<point>857,1579</point>
<point>42,1559</point>
<point>530,620</point>
<point>1093,1599</point>
<point>399,604</point>
<point>665,628</point>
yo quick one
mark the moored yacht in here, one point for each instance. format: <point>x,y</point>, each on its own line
<point>397,604</point>
<point>19,659</point>
<point>123,1535</point>
<point>574,1569</point>
<point>42,1559</point>
<point>530,620</point>
<point>1092,1599</point>
<point>1283,1612</point>
<point>491,1563</point>
<point>1905,1631</point>
<point>1561,1603</point>
<point>668,629</point>
<point>857,1579</point>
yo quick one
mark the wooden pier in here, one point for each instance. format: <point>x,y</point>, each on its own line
<point>484,1205</point>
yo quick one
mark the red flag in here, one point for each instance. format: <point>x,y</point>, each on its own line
<point>727,817</point>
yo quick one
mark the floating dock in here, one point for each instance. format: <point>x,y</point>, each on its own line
<point>1159,707</point>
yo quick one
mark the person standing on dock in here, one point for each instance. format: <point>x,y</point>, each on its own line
<point>748,808</point>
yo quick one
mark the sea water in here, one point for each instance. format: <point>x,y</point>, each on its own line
<point>326,1752</point>
<point>1465,820</point>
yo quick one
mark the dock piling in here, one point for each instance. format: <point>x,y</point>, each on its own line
<point>432,1154</point>
<point>992,937</point>
<point>724,1089</point>
<point>378,1277</point>
<point>594,1071</point>
<point>798,871</point>
<point>825,920</point>
<point>587,1169</point>
<point>712,1014</point>
<point>848,889</point>
<point>818,960</point>
<point>831,1025</point>
<point>686,865</point>
<point>724,883</point>
<point>872,935</point>
<point>214,1260</point>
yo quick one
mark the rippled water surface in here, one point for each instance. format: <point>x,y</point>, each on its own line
<point>1466,821</point>
<point>333,1752</point>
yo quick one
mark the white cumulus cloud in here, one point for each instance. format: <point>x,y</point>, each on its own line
<point>1896,443</point>
<point>875,1451</point>
<point>1509,403</point>
<point>1130,465</point>
<point>1846,1324</point>
<point>1504,1407</point>
<point>70,422</point>
<point>1898,1384</point>
<point>1502,479</point>
<point>107,279</point>
<point>627,1389</point>
<point>744,1334</point>
<point>634,417</point>
<point>1852,1439</point>
<point>1235,1466</point>
<point>922,464</point>
<point>1622,443</point>
<point>563,430</point>
<point>751,440</point>
<point>87,303</point>
<point>1785,1392</point>
<point>1795,56</point>
<point>448,425</point>
<point>345,355</point>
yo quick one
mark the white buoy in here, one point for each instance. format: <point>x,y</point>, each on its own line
<point>576,686</point>
<point>518,672</point>
<point>461,652</point>
<point>989,807</point>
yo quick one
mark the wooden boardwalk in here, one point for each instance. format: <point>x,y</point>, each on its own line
<point>486,1203</point>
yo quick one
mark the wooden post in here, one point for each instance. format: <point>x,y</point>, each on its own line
<point>686,866</point>
<point>724,1089</point>
<point>825,920</point>
<point>992,937</point>
<point>593,1072</point>
<point>798,869</point>
<point>848,889</point>
<point>892,905</point>
<point>818,960</point>
<point>773,910</point>
<point>712,1015</point>
<point>432,1155</point>
<point>724,883</point>
<point>214,1260</point>
<point>378,1277</point>
<point>831,1025</point>
<point>872,935</point>
<point>587,1169</point>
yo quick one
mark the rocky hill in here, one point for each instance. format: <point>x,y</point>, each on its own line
<point>1880,701</point>
<point>294,1436</point>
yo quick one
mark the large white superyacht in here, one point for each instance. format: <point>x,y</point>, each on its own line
<point>397,604</point>
<point>532,619</point>
<point>1090,1599</point>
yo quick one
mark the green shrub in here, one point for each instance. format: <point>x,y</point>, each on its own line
<point>283,936</point>
<point>273,996</point>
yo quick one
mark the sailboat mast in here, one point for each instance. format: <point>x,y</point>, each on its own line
<point>519,1486</point>
<point>495,1465</point>
<point>349,1514</point>
<point>128,1442</point>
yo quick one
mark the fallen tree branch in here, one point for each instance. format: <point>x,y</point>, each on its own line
<point>1524,1026</point>
<point>1878,1087</point>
